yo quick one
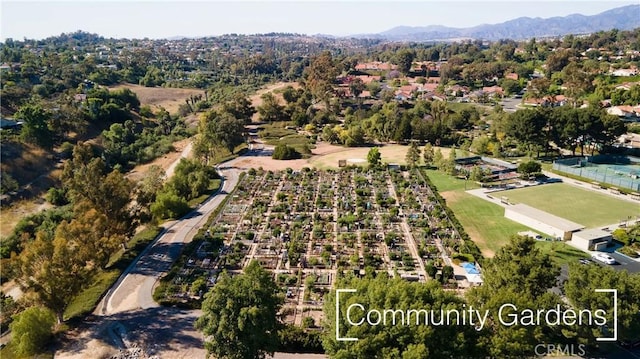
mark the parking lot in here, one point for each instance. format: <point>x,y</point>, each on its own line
<point>623,263</point>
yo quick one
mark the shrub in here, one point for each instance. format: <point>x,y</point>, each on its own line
<point>8,183</point>
<point>284,152</point>
<point>169,205</point>
<point>629,252</point>
<point>529,169</point>
<point>464,257</point>
<point>145,111</point>
<point>447,273</point>
<point>431,270</point>
<point>57,196</point>
<point>31,330</point>
<point>66,149</point>
<point>308,322</point>
<point>199,286</point>
<point>294,339</point>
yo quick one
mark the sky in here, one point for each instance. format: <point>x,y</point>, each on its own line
<point>165,19</point>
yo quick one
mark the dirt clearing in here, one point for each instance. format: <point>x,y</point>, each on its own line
<point>138,172</point>
<point>169,98</point>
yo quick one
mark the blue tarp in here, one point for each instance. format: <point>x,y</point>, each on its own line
<point>470,268</point>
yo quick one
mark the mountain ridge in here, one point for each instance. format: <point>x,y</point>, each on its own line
<point>621,18</point>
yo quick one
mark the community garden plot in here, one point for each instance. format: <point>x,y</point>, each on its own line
<point>306,226</point>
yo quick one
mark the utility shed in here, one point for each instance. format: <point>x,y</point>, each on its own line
<point>542,221</point>
<point>591,239</point>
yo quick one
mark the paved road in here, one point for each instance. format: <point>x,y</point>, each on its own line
<point>622,263</point>
<point>134,289</point>
<point>510,104</point>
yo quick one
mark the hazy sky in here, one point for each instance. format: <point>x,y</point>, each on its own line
<point>161,19</point>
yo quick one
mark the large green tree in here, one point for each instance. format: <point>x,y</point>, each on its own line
<point>91,187</point>
<point>580,289</point>
<point>521,275</point>
<point>217,131</point>
<point>373,157</point>
<point>55,269</point>
<point>527,127</point>
<point>271,110</point>
<point>529,168</point>
<point>35,127</point>
<point>428,154</point>
<point>239,315</point>
<point>413,154</point>
<point>320,76</point>
<point>404,58</point>
<point>241,108</point>
<point>228,132</point>
<point>402,340</point>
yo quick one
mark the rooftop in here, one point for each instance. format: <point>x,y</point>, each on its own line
<point>545,217</point>
<point>592,234</point>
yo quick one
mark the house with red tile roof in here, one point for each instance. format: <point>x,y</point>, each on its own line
<point>547,101</point>
<point>429,87</point>
<point>457,90</point>
<point>367,79</point>
<point>632,71</point>
<point>627,85</point>
<point>493,90</point>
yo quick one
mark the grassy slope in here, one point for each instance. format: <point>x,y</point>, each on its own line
<point>277,134</point>
<point>484,221</point>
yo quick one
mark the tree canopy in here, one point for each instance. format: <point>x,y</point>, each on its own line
<point>401,341</point>
<point>31,330</point>
<point>521,275</point>
<point>239,315</point>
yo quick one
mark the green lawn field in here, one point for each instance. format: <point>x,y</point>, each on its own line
<point>582,206</point>
<point>484,221</point>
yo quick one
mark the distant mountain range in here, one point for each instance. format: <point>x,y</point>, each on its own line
<point>622,18</point>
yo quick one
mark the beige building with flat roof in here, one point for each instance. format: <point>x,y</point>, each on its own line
<point>542,221</point>
<point>591,239</point>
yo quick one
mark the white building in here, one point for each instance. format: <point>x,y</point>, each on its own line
<point>625,72</point>
<point>542,221</point>
<point>591,239</point>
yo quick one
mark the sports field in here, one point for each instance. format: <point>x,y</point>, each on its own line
<point>485,223</point>
<point>582,206</point>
